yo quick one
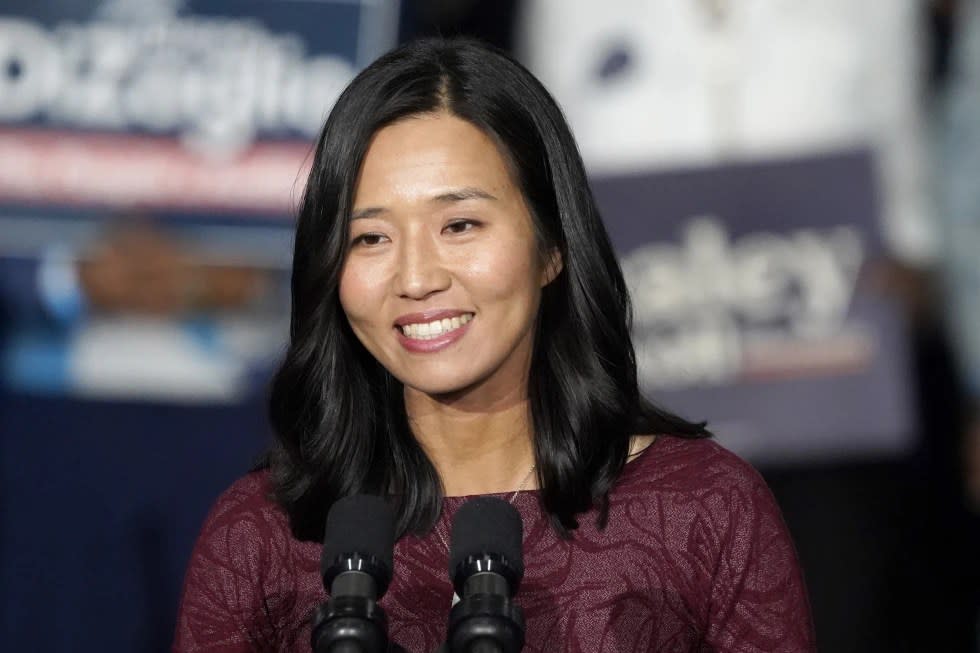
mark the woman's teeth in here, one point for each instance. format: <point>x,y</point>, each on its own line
<point>430,330</point>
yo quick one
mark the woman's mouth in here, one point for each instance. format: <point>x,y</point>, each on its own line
<point>435,328</point>
<point>433,331</point>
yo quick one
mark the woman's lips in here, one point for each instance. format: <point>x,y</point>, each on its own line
<point>430,316</point>
<point>433,343</point>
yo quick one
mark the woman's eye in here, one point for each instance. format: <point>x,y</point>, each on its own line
<point>460,226</point>
<point>368,240</point>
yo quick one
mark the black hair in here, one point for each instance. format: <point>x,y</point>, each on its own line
<point>339,416</point>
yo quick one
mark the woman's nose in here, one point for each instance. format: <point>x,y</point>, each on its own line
<point>421,271</point>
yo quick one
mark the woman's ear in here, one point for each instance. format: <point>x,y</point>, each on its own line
<point>553,266</point>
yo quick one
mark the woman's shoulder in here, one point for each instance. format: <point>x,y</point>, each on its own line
<point>250,494</point>
<point>671,457</point>
<point>243,516</point>
<point>696,469</point>
<point>240,586</point>
<point>711,515</point>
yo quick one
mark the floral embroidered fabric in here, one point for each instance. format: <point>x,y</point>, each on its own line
<point>695,557</point>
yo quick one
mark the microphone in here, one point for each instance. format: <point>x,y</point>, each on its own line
<point>486,565</point>
<point>356,564</point>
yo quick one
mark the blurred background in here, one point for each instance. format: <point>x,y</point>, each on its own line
<point>793,187</point>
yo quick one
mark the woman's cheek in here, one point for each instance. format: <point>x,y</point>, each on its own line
<point>353,291</point>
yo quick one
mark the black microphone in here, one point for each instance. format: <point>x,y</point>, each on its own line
<point>486,565</point>
<point>356,563</point>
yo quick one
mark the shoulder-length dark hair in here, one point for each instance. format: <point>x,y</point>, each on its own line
<point>339,416</point>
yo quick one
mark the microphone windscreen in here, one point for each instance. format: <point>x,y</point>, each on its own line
<point>363,524</point>
<point>487,525</point>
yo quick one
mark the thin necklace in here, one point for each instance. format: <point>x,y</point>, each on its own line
<point>510,501</point>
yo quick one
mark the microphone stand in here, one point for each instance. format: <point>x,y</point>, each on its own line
<point>351,621</point>
<point>486,619</point>
<point>351,625</point>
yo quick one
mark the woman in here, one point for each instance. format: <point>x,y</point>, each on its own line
<point>460,327</point>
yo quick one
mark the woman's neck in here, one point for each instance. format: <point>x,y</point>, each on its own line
<point>475,449</point>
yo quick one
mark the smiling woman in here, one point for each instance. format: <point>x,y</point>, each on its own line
<point>447,237</point>
<point>460,326</point>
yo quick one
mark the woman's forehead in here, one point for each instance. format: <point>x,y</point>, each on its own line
<point>429,155</point>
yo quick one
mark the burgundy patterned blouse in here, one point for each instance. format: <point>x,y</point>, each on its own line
<point>696,557</point>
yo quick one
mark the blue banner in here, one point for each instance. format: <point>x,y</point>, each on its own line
<point>753,307</point>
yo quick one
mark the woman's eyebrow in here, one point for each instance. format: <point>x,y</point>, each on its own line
<point>368,212</point>
<point>462,194</point>
<point>448,197</point>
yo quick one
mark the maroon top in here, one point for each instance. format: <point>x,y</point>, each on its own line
<point>696,557</point>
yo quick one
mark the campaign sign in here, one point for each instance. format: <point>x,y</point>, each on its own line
<point>174,106</point>
<point>181,127</point>
<point>752,307</point>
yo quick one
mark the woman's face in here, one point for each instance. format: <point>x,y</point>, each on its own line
<point>443,280</point>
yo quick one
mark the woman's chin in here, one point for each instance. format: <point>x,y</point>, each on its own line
<point>441,390</point>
